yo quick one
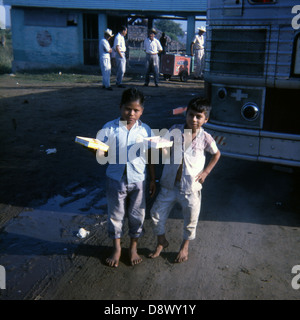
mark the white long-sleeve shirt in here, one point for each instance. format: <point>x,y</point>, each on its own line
<point>152,46</point>
<point>120,41</point>
<point>104,48</point>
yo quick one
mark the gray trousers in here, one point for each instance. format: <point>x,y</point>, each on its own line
<point>121,68</point>
<point>105,66</point>
<point>190,203</point>
<point>125,199</point>
<point>152,66</point>
<point>199,57</point>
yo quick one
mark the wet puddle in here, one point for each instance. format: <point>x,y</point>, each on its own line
<point>80,200</point>
<point>30,242</point>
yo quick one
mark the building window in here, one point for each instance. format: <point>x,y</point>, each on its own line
<point>46,18</point>
<point>72,20</point>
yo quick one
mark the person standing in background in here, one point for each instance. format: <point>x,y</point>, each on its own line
<point>120,48</point>
<point>105,62</point>
<point>197,48</point>
<point>163,41</point>
<point>152,48</point>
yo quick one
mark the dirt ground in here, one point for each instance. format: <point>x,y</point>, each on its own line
<point>248,234</point>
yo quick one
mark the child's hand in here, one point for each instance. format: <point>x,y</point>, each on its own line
<point>165,151</point>
<point>101,153</point>
<point>200,177</point>
<point>152,188</point>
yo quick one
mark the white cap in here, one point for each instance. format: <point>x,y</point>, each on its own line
<point>109,32</point>
<point>203,29</point>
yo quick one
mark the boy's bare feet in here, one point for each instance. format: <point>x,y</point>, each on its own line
<point>183,253</point>
<point>161,244</point>
<point>113,260</point>
<point>133,255</point>
<point>135,258</point>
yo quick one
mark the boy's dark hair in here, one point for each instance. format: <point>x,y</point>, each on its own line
<point>200,104</point>
<point>131,95</point>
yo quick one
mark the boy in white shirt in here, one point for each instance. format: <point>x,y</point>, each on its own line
<point>126,174</point>
<point>182,179</point>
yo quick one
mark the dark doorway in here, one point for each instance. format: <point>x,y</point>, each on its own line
<point>90,39</point>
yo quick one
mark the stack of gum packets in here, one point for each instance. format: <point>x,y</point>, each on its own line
<point>91,143</point>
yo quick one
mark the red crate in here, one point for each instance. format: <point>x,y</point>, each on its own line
<point>176,65</point>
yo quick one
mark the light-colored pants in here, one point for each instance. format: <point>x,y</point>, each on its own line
<point>199,57</point>
<point>106,71</point>
<point>124,198</point>
<point>190,203</point>
<point>121,68</point>
<point>152,66</point>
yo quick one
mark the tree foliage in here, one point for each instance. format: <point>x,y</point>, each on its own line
<point>171,28</point>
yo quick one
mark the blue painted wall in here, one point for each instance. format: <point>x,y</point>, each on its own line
<point>45,46</point>
<point>168,6</point>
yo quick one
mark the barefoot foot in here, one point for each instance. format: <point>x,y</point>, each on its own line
<point>162,243</point>
<point>182,256</point>
<point>183,253</point>
<point>133,255</point>
<point>113,260</point>
<point>135,258</point>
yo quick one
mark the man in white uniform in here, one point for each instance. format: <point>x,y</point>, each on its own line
<point>105,63</point>
<point>152,48</point>
<point>120,48</point>
<point>197,48</point>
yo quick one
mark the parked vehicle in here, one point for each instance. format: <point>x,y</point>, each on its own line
<point>252,77</point>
